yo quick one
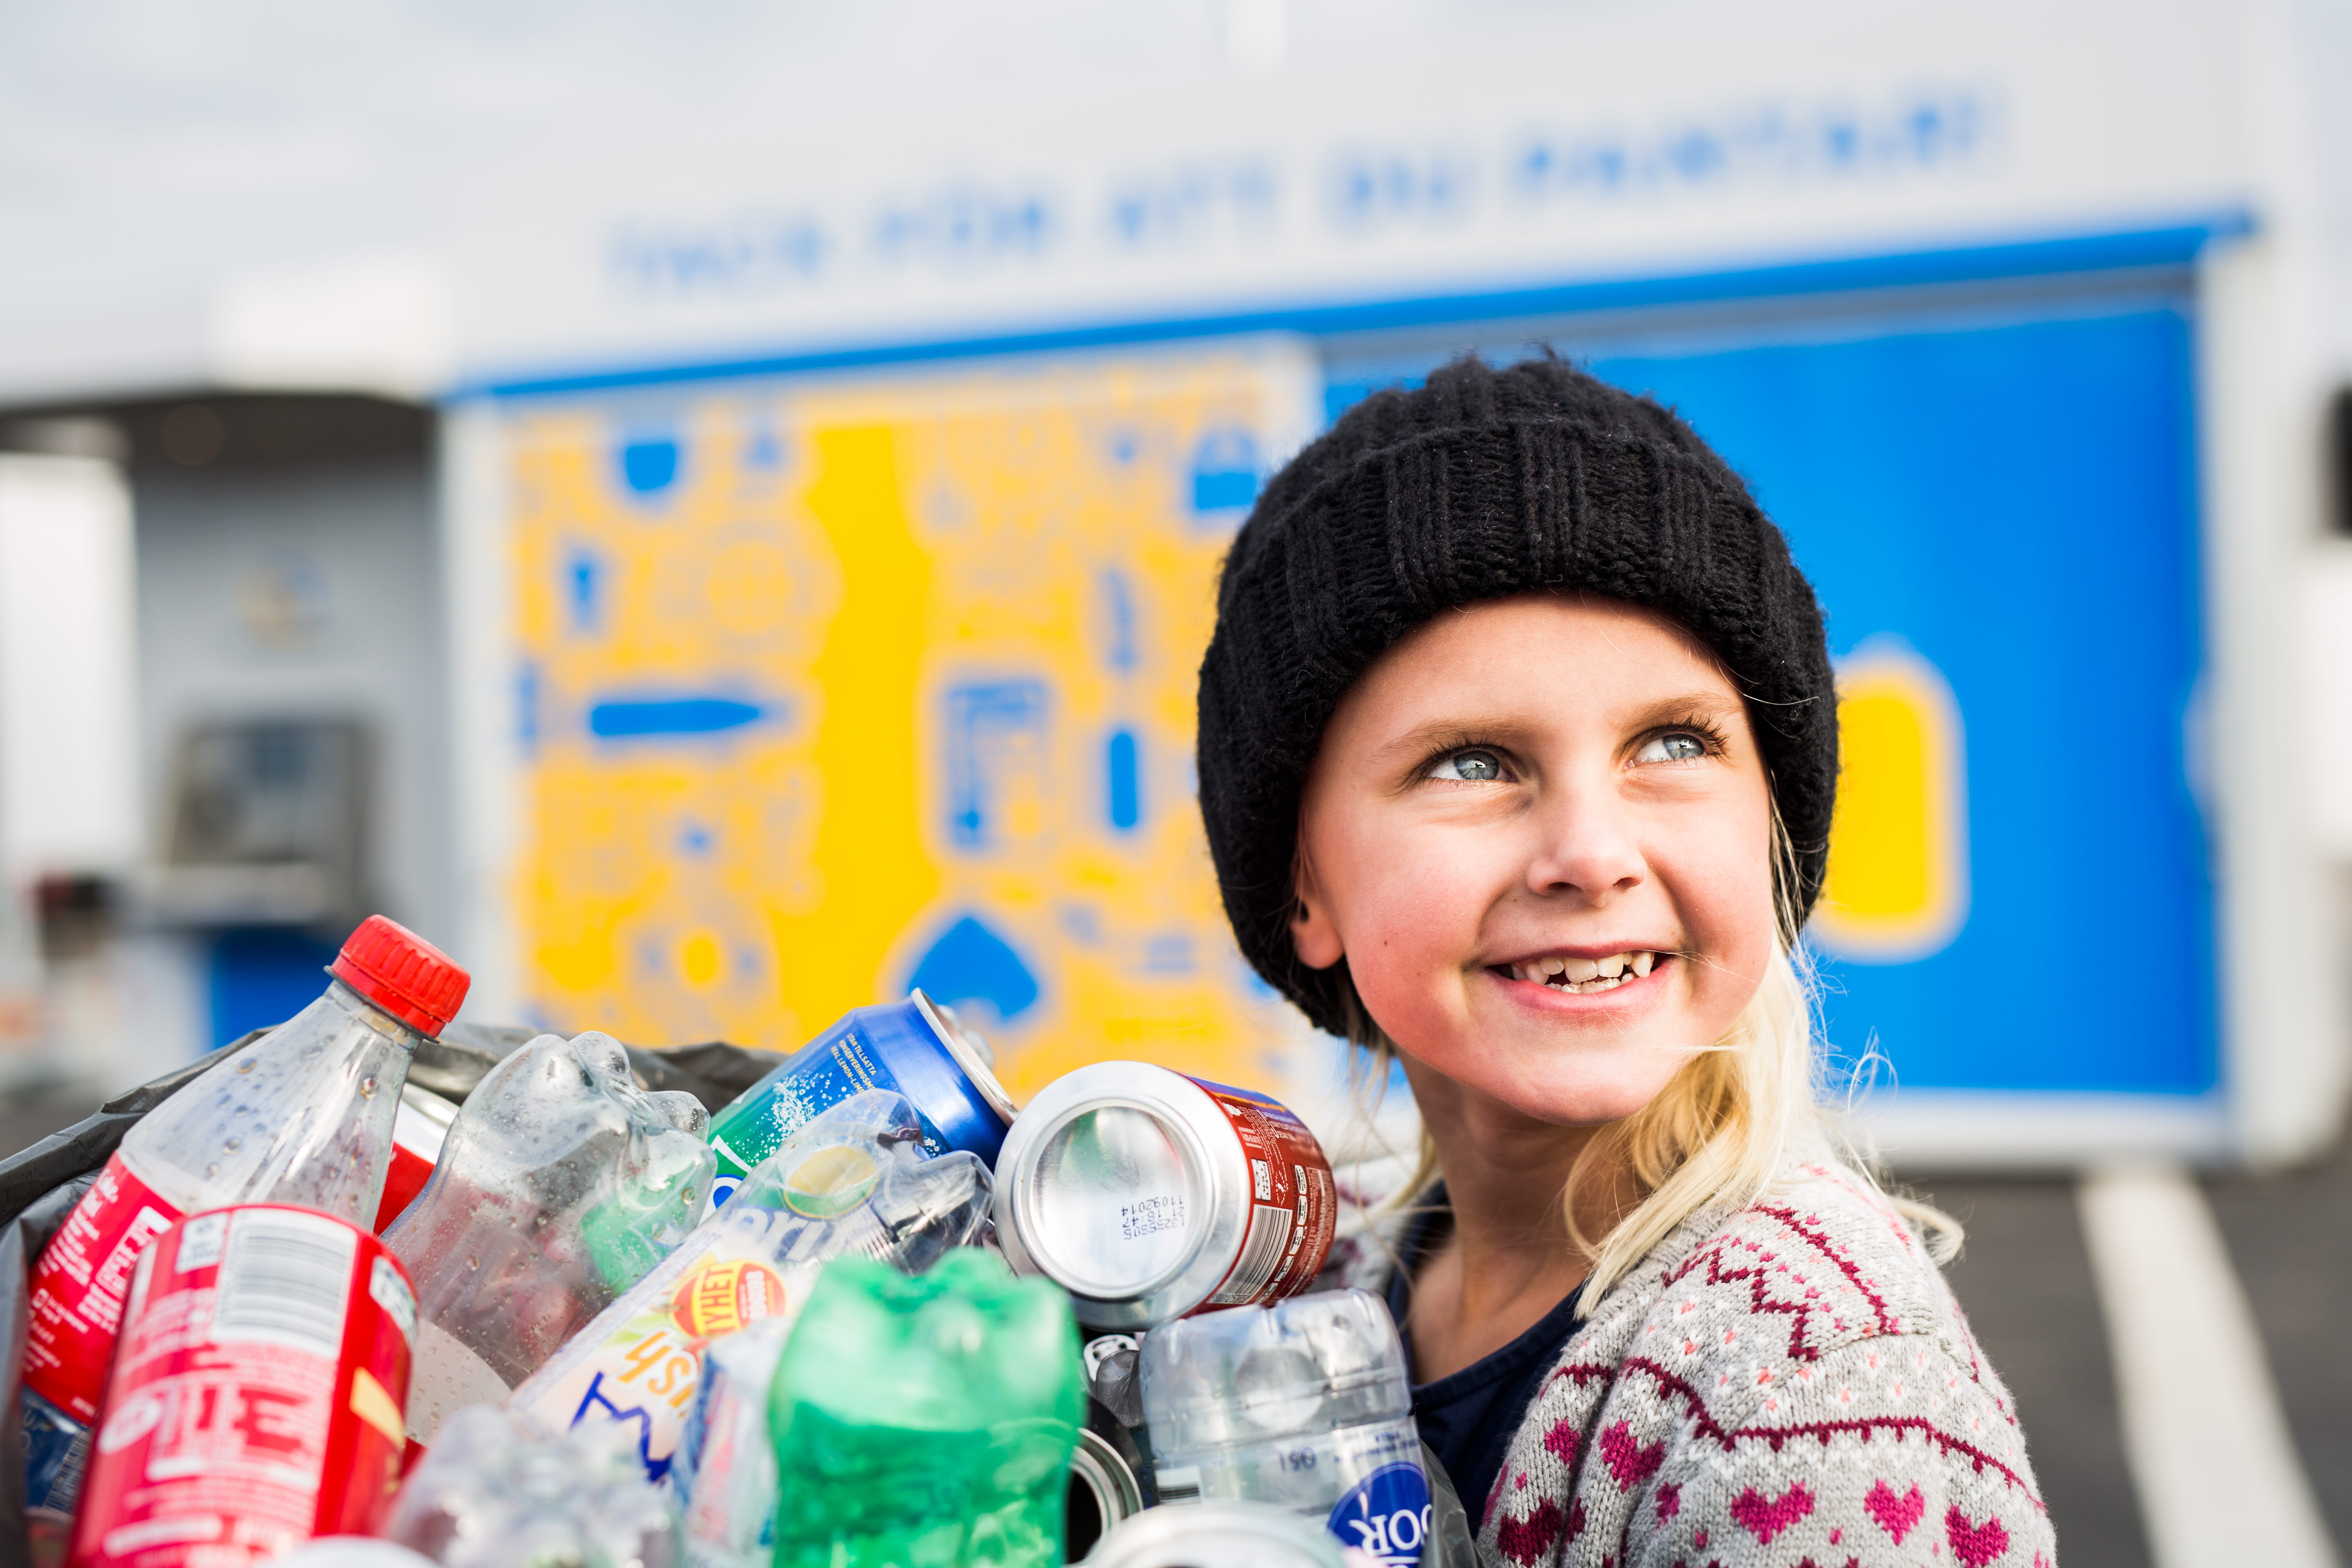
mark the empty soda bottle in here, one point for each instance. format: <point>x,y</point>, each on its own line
<point>1306,1404</point>
<point>853,1179</point>
<point>561,1184</point>
<point>726,1469</point>
<point>301,1116</point>
<point>490,1495</point>
<point>928,1419</point>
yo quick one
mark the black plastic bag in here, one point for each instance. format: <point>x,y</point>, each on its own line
<point>41,1185</point>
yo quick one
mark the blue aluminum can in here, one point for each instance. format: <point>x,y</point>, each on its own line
<point>915,1048</point>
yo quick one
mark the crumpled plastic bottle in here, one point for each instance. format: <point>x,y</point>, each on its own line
<point>490,1495</point>
<point>726,1468</point>
<point>561,1184</point>
<point>927,1420</point>
<point>853,1179</point>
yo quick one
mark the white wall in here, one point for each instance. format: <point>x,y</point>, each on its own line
<point>68,739</point>
<point>222,180</point>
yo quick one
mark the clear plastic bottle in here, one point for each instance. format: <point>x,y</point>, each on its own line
<point>561,1184</point>
<point>491,1494</point>
<point>1307,1405</point>
<point>853,1179</point>
<point>302,1115</point>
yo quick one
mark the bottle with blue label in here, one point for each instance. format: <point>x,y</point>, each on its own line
<point>1307,1405</point>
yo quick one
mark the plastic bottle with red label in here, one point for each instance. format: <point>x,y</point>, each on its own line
<point>561,1184</point>
<point>302,1115</point>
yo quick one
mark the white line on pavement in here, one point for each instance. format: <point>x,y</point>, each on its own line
<point>2219,1483</point>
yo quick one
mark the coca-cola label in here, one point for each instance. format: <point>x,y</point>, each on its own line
<point>79,1285</point>
<point>256,1398</point>
<point>1292,1201</point>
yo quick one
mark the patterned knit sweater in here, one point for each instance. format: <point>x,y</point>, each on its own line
<point>1788,1384</point>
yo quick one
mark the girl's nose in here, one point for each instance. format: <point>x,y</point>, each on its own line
<point>1583,846</point>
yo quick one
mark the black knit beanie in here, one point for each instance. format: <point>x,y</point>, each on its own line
<point>1481,484</point>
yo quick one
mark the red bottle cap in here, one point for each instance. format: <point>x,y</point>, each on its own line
<point>403,974</point>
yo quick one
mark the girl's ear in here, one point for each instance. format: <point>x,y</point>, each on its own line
<point>1313,936</point>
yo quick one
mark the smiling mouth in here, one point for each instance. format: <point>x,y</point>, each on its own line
<point>1584,976</point>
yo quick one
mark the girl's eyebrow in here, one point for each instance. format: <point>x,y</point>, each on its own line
<point>1468,729</point>
<point>1694,704</point>
<point>1451,731</point>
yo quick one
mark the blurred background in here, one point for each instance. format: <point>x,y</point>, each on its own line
<point>711,515</point>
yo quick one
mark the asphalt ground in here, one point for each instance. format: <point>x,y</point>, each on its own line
<point>2026,1282</point>
<point>2024,1279</point>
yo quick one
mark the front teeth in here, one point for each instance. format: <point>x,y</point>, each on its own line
<point>1587,976</point>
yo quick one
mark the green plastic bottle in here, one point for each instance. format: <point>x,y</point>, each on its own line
<point>925,1422</point>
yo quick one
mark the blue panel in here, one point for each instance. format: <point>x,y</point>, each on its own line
<point>1119,611</point>
<point>635,718</point>
<point>263,976</point>
<point>972,963</point>
<point>1124,791</point>
<point>584,581</point>
<point>649,465</point>
<point>527,683</point>
<point>1225,471</point>
<point>995,730</point>
<point>2018,503</point>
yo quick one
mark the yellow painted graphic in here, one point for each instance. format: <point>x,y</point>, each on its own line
<point>1897,887</point>
<point>827,690</point>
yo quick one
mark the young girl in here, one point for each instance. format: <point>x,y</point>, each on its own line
<point>1518,753</point>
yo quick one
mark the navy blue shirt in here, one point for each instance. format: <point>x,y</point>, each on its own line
<point>1468,1418</point>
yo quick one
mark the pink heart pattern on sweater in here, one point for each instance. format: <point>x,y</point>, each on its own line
<point>1527,1540</point>
<point>1632,1463</point>
<point>1899,1516</point>
<point>1561,1440</point>
<point>1975,1544</point>
<point>1765,1518</point>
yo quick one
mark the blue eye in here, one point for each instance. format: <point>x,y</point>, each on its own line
<point>1472,766</point>
<point>1679,746</point>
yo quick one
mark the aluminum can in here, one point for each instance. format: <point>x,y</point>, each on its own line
<point>1104,1492</point>
<point>255,1399</point>
<point>916,1048</point>
<point>1147,1194</point>
<point>1229,1534</point>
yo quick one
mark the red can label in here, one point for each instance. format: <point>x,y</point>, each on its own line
<point>258,1397</point>
<point>79,1285</point>
<point>1292,1201</point>
<point>417,1141</point>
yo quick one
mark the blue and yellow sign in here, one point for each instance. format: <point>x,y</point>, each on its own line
<point>832,689</point>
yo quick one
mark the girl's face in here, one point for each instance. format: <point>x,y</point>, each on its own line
<point>1539,832</point>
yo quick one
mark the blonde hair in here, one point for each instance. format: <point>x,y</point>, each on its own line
<point>1722,1127</point>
